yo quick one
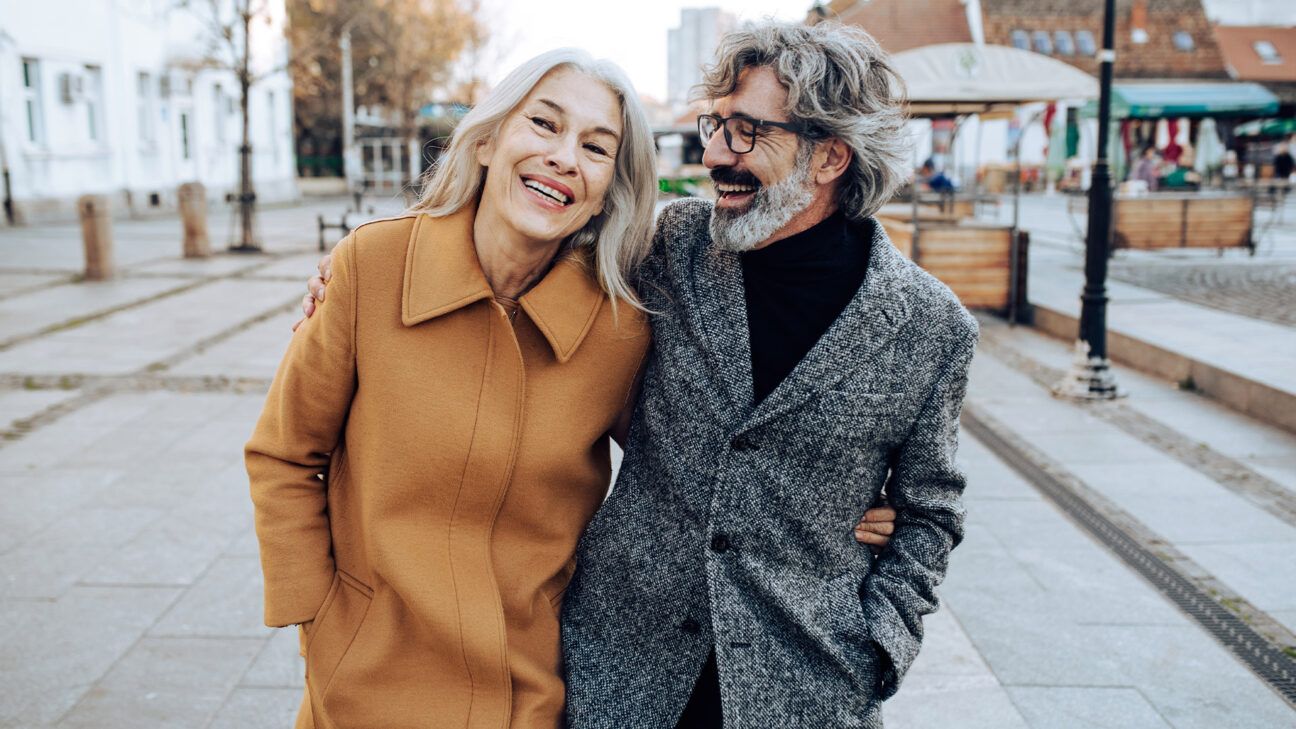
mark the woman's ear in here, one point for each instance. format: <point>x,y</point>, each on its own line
<point>485,149</point>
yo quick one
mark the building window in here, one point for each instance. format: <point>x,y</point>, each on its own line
<point>272,120</point>
<point>1062,41</point>
<point>1043,44</point>
<point>218,112</point>
<point>32,100</point>
<point>94,103</point>
<point>184,136</point>
<point>1021,40</point>
<point>1183,41</point>
<point>1267,52</point>
<point>144,104</point>
<point>1085,43</point>
<point>1138,36</point>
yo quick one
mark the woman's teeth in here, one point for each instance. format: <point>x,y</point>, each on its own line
<point>546,191</point>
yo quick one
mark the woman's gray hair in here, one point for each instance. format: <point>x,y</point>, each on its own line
<point>840,84</point>
<point>617,239</point>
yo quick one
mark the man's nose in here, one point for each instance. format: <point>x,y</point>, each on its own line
<point>716,153</point>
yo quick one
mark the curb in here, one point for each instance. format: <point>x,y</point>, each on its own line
<point>1263,402</point>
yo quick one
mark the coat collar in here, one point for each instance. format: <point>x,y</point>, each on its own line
<point>442,275</point>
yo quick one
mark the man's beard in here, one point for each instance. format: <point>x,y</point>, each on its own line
<point>771,208</point>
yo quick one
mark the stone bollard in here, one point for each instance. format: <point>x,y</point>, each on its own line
<point>96,233</point>
<point>193,215</point>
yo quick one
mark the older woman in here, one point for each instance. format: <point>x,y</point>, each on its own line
<point>437,436</point>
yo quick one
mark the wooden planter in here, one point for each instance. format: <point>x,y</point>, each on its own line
<point>1183,220</point>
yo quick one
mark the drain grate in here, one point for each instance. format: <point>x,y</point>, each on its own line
<point>1273,662</point>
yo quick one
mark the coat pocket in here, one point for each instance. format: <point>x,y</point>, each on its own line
<point>333,630</point>
<point>841,614</point>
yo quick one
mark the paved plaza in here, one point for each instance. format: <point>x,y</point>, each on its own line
<point>130,588</point>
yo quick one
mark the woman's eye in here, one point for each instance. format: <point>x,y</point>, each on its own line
<point>543,122</point>
<point>596,149</point>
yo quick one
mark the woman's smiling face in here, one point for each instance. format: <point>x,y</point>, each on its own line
<point>551,164</point>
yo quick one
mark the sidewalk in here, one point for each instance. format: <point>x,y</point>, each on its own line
<point>130,589</point>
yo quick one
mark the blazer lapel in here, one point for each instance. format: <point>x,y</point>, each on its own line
<point>867,325</point>
<point>720,306</point>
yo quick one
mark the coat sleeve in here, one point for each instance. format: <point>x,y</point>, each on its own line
<point>926,489</point>
<point>288,456</point>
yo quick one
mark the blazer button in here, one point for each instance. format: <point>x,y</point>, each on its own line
<point>720,543</point>
<point>742,443</point>
<point>690,626</point>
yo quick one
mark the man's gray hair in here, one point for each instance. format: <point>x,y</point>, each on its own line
<point>840,84</point>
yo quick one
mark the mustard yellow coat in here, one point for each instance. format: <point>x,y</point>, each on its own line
<point>422,471</point>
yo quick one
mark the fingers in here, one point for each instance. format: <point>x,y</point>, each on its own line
<point>872,539</point>
<point>880,513</point>
<point>326,269</point>
<point>308,305</point>
<point>298,323</point>
<point>316,286</point>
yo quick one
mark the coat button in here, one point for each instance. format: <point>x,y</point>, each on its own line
<point>690,626</point>
<point>720,543</point>
<point>742,443</point>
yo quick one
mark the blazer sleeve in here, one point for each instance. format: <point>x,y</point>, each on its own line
<point>926,489</point>
<point>288,455</point>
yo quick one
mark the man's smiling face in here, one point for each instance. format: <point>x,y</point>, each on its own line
<point>761,191</point>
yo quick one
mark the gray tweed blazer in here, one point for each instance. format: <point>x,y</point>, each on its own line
<point>731,525</point>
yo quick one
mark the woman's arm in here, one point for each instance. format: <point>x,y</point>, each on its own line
<point>288,456</point>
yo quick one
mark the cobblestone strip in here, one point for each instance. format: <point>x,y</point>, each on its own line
<point>64,279</point>
<point>1264,290</point>
<point>1266,646</point>
<point>1261,491</point>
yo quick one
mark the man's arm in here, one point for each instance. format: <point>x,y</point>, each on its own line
<point>926,488</point>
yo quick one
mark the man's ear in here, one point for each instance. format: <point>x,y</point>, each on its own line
<point>831,160</point>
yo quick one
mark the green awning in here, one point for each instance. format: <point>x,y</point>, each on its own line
<point>1266,128</point>
<point>1172,100</point>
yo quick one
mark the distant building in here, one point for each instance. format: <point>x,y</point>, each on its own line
<point>899,25</point>
<point>691,46</point>
<point>115,99</point>
<point>1265,54</point>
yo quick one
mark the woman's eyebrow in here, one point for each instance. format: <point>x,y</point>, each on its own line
<point>557,109</point>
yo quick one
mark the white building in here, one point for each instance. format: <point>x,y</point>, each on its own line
<point>691,46</point>
<point>109,97</point>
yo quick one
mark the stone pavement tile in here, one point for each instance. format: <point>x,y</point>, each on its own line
<point>298,267</point>
<point>1262,572</point>
<point>946,650</point>
<point>1280,470</point>
<point>34,311</point>
<point>1067,707</point>
<point>132,339</point>
<point>1286,617</point>
<point>35,499</point>
<point>52,560</point>
<point>1019,523</point>
<point>226,601</point>
<point>1191,680</point>
<point>943,702</point>
<point>57,649</point>
<point>219,264</point>
<point>1026,646</point>
<point>244,544</point>
<point>1091,586</point>
<point>15,282</point>
<point>258,708</point>
<point>22,404</point>
<point>279,664</point>
<point>255,352</point>
<point>1100,443</point>
<point>175,550</point>
<point>171,682</point>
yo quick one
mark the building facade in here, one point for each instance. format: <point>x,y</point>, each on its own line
<point>691,46</point>
<point>126,101</point>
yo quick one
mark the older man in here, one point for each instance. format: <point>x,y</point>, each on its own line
<point>800,365</point>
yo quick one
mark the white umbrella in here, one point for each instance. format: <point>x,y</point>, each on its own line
<point>1210,150</point>
<point>1056,162</point>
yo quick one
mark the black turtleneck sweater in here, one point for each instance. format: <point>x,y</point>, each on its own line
<point>795,290</point>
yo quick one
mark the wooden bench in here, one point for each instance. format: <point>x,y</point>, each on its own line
<point>973,258</point>
<point>1175,220</point>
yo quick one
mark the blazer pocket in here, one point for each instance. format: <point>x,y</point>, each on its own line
<point>862,415</point>
<point>333,630</point>
<point>842,616</point>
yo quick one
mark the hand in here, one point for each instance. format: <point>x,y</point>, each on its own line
<point>876,528</point>
<point>316,285</point>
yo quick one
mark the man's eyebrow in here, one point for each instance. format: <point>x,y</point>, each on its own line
<point>559,110</point>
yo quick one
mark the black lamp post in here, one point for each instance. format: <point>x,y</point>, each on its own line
<point>1091,377</point>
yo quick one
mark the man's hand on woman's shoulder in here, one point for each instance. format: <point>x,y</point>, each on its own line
<point>315,286</point>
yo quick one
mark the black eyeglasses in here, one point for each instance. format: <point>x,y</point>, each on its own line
<point>740,132</point>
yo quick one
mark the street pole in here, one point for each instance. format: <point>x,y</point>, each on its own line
<point>1091,377</point>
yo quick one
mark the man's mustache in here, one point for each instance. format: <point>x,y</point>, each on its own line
<point>731,176</point>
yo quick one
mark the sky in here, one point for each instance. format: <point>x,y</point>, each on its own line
<point>633,32</point>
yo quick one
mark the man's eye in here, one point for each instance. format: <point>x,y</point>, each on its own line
<point>543,122</point>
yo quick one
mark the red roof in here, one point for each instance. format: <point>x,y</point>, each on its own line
<point>1238,44</point>
<point>899,25</point>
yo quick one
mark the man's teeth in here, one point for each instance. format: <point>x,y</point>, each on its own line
<point>546,190</point>
<point>727,189</point>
